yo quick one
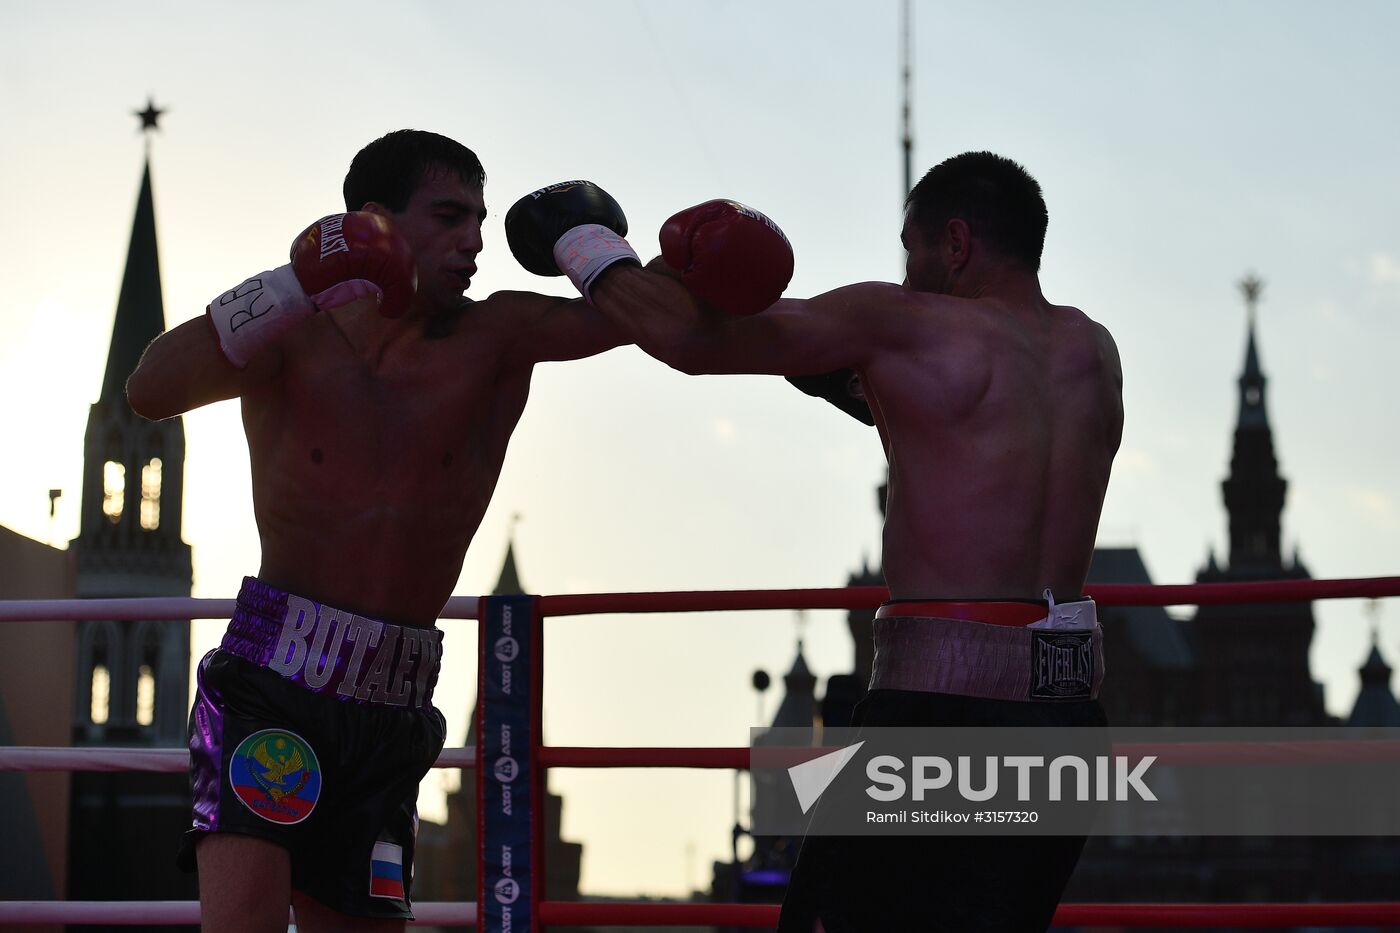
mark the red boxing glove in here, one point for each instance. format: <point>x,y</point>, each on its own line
<point>729,256</point>
<point>359,246</point>
<point>336,260</point>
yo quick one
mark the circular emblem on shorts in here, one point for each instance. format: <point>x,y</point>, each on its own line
<point>276,775</point>
<point>506,649</point>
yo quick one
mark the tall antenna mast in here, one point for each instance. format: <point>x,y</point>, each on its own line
<point>908,67</point>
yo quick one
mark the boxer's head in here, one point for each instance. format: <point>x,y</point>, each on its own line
<point>971,201</point>
<point>391,168</point>
<point>432,187</point>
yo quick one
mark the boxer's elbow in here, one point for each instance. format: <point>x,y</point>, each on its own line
<point>145,397</point>
<point>151,392</point>
<point>688,366</point>
<point>690,358</point>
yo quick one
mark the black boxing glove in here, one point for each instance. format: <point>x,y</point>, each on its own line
<point>572,228</point>
<point>841,388</point>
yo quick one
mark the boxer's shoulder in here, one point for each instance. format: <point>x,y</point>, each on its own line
<point>888,311</point>
<point>511,309</point>
<point>512,315</point>
<point>501,325</point>
<point>470,321</point>
<point>1074,334</point>
<point>889,297</point>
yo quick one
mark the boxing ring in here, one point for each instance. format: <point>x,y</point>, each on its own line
<point>511,637</point>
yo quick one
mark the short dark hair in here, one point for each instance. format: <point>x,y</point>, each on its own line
<point>996,197</point>
<point>390,169</point>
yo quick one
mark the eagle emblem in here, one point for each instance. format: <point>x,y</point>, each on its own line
<point>275,774</point>
<point>281,763</point>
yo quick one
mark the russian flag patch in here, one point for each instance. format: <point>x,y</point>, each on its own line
<point>386,871</point>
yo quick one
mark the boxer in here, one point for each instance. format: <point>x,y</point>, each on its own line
<point>378,402</point>
<point>1000,414</point>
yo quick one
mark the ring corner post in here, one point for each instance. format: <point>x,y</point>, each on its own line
<point>506,758</point>
<point>539,777</point>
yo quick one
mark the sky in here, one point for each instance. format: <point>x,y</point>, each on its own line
<point>1180,146</point>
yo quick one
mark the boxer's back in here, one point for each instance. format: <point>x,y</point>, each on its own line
<point>1000,423</point>
<point>372,468</point>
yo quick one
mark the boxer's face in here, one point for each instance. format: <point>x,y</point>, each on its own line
<point>442,222</point>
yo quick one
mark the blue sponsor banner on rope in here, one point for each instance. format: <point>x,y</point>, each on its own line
<point>504,769</point>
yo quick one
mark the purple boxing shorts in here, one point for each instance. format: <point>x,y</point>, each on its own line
<point>311,728</point>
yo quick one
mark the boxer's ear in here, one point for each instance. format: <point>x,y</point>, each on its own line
<point>374,207</point>
<point>957,244</point>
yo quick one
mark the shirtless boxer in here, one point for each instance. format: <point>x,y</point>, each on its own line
<point>376,437</point>
<point>1000,414</point>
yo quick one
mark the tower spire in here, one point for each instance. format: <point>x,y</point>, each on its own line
<point>1239,679</point>
<point>140,314</point>
<point>1254,490</point>
<point>150,121</point>
<point>1375,704</point>
<point>129,542</point>
<point>1252,411</point>
<point>508,584</point>
<point>1251,286</point>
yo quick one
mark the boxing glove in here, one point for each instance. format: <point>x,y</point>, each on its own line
<point>336,260</point>
<point>572,228</point>
<point>729,255</point>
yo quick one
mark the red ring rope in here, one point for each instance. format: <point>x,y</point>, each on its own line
<point>1257,916</point>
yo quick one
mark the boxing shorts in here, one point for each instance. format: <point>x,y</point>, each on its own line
<point>311,728</point>
<point>994,649</point>
<point>967,663</point>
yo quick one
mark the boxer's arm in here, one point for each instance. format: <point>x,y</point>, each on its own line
<point>1113,366</point>
<point>842,328</point>
<point>184,368</point>
<point>339,260</point>
<point>546,327</point>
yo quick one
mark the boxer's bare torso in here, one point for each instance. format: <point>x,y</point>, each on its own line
<point>374,448</point>
<point>372,465</point>
<point>1000,414</point>
<point>1000,423</point>
<point>376,443</point>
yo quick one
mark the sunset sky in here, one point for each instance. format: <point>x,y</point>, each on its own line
<point>1180,147</point>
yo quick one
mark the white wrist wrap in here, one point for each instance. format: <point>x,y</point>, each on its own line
<point>585,251</point>
<point>258,312</point>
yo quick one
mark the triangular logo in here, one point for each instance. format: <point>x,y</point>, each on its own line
<point>811,778</point>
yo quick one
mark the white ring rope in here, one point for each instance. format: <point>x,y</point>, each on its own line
<point>169,760</point>
<point>172,913</point>
<point>174,760</point>
<point>169,608</point>
<point>163,608</point>
<point>166,760</point>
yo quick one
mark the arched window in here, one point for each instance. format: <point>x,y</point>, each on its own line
<point>94,700</point>
<point>150,494</point>
<point>113,490</point>
<point>149,640</point>
<point>145,696</point>
<point>101,693</point>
